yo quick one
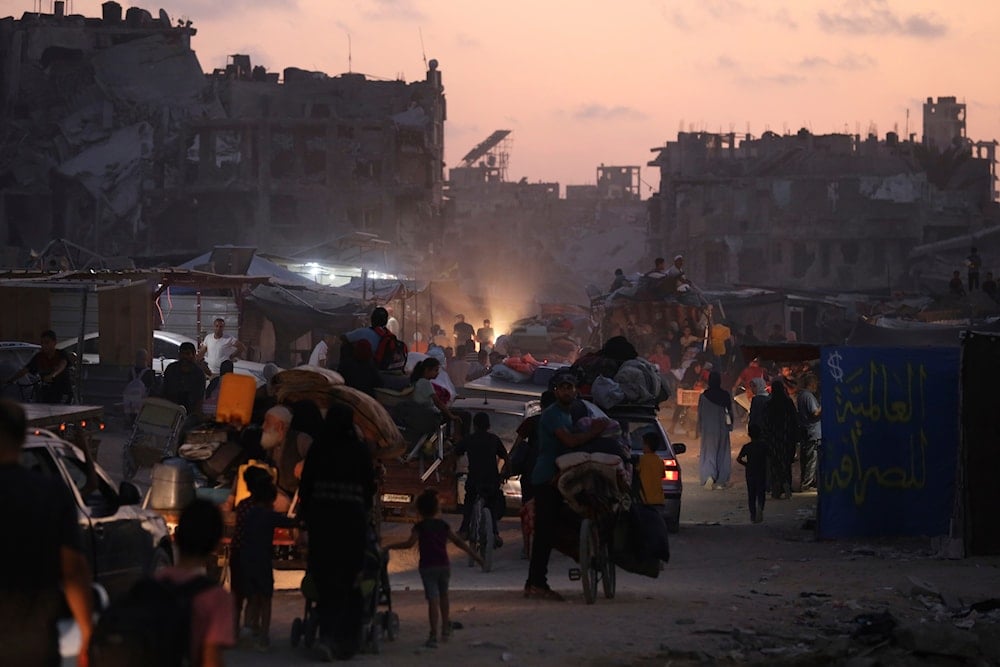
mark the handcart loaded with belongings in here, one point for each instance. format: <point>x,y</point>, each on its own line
<point>605,525</point>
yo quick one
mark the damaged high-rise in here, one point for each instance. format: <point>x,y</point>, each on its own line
<point>114,138</point>
<point>823,212</point>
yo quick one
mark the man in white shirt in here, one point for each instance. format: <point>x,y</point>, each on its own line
<point>218,347</point>
<point>321,353</point>
<point>392,324</point>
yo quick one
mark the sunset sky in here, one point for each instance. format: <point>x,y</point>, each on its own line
<point>585,82</point>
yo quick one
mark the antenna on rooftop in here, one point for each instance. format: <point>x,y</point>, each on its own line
<point>423,51</point>
<point>349,70</point>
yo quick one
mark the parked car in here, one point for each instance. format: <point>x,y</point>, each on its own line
<point>122,541</point>
<point>166,350</point>
<point>13,357</point>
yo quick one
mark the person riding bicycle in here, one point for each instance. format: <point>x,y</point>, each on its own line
<point>53,367</point>
<point>485,449</point>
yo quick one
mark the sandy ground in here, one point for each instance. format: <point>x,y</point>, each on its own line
<point>733,593</point>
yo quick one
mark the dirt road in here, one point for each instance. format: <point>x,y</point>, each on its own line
<point>733,593</point>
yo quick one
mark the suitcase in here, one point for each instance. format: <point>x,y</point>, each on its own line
<point>219,463</point>
<point>236,394</point>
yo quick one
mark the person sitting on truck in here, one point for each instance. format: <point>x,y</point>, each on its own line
<point>53,367</point>
<point>619,281</point>
<point>659,269</point>
<point>485,451</point>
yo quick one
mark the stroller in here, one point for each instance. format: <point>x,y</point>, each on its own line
<point>378,620</point>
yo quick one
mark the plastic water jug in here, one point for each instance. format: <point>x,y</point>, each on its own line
<point>236,393</point>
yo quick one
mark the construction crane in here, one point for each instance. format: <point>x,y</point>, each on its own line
<point>495,149</point>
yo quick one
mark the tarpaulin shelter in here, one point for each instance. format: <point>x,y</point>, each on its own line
<point>294,312</point>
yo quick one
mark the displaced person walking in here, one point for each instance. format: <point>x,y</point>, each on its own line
<point>555,437</point>
<point>781,428</point>
<point>809,414</point>
<point>715,421</point>
<point>753,455</point>
<point>336,495</point>
<point>758,404</point>
<point>44,558</point>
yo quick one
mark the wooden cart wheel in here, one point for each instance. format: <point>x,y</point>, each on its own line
<point>588,560</point>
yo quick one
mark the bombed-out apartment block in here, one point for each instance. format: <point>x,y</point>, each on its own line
<point>113,137</point>
<point>823,212</point>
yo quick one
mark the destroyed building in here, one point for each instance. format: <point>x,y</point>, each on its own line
<point>821,212</point>
<point>557,244</point>
<point>114,138</point>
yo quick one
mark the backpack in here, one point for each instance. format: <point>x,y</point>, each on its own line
<point>150,626</point>
<point>135,393</point>
<point>391,352</point>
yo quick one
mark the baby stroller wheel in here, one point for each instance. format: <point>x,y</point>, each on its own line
<point>309,631</point>
<point>296,632</point>
<point>390,621</point>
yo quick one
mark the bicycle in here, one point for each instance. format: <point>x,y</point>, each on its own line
<point>33,389</point>
<point>481,537</point>
<point>595,560</point>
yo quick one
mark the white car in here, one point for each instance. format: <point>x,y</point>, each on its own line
<point>166,350</point>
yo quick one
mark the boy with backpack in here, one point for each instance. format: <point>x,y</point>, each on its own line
<point>178,616</point>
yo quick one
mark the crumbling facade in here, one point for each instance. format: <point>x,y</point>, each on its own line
<point>296,164</point>
<point>822,212</point>
<point>519,242</point>
<point>114,138</point>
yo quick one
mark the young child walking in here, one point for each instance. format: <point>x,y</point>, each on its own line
<point>433,534</point>
<point>754,457</point>
<point>251,554</point>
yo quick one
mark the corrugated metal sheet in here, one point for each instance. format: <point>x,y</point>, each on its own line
<point>179,313</point>
<point>66,312</point>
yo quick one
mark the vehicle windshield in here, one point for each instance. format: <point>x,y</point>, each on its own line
<point>637,429</point>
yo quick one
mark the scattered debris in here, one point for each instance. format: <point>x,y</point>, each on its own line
<point>871,629</point>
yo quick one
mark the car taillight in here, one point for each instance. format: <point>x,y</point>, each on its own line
<point>671,473</point>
